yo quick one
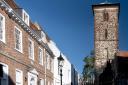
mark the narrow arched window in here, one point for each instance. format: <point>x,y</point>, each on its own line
<point>105,16</point>
<point>106,33</point>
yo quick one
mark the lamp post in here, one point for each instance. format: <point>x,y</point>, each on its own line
<point>60,65</point>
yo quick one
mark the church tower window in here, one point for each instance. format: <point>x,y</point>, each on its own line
<point>106,33</point>
<point>105,16</point>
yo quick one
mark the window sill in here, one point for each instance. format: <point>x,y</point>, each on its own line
<point>32,59</point>
<point>41,64</point>
<point>20,51</point>
<point>3,41</point>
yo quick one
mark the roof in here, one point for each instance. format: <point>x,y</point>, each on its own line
<point>122,54</point>
<point>106,4</point>
<point>12,4</point>
<point>33,26</point>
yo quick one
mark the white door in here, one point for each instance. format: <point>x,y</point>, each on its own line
<point>32,79</point>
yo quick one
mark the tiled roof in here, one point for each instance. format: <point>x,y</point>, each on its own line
<point>122,54</point>
<point>12,4</point>
<point>33,26</point>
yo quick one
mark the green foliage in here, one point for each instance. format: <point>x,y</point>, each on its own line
<point>88,70</point>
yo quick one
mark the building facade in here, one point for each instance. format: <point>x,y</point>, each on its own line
<point>106,16</point>
<point>25,58</point>
<point>27,55</point>
<point>106,33</point>
<point>66,70</point>
<point>110,63</point>
<point>70,76</point>
<point>75,76</point>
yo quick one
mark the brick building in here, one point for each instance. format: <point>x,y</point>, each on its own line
<point>25,58</point>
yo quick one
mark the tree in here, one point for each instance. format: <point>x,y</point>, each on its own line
<point>88,69</point>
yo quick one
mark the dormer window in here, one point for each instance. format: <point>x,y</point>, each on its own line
<point>43,36</point>
<point>25,17</point>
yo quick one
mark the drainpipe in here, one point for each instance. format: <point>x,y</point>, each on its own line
<point>45,67</point>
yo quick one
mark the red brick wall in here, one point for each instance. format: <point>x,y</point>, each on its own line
<point>21,60</point>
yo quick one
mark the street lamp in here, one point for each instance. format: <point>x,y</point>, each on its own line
<point>60,65</point>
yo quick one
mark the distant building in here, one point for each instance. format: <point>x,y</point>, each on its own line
<point>66,70</point>
<point>56,52</point>
<point>75,76</point>
<point>70,74</point>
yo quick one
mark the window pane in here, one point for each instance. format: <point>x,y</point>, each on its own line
<point>40,54</point>
<point>19,77</point>
<point>3,81</point>
<point>18,43</point>
<point>41,82</point>
<point>1,27</point>
<point>26,18</point>
<point>48,60</point>
<point>31,50</point>
<point>5,69</point>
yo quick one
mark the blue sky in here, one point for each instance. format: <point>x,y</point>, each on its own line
<point>69,23</point>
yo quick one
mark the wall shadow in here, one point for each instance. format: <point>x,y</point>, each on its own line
<point>4,78</point>
<point>106,78</point>
<point>122,71</point>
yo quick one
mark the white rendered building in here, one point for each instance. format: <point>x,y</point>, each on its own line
<point>66,70</point>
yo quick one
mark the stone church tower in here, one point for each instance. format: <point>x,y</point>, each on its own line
<point>105,33</point>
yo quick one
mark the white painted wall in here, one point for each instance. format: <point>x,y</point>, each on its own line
<point>66,68</point>
<point>66,71</point>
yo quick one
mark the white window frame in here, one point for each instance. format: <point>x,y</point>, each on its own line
<point>5,72</point>
<point>30,76</point>
<point>24,14</point>
<point>21,77</point>
<point>52,65</point>
<point>48,60</point>
<point>52,83</point>
<point>48,82</point>
<point>20,40</point>
<point>3,28</point>
<point>41,82</point>
<point>40,56</point>
<point>31,55</point>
